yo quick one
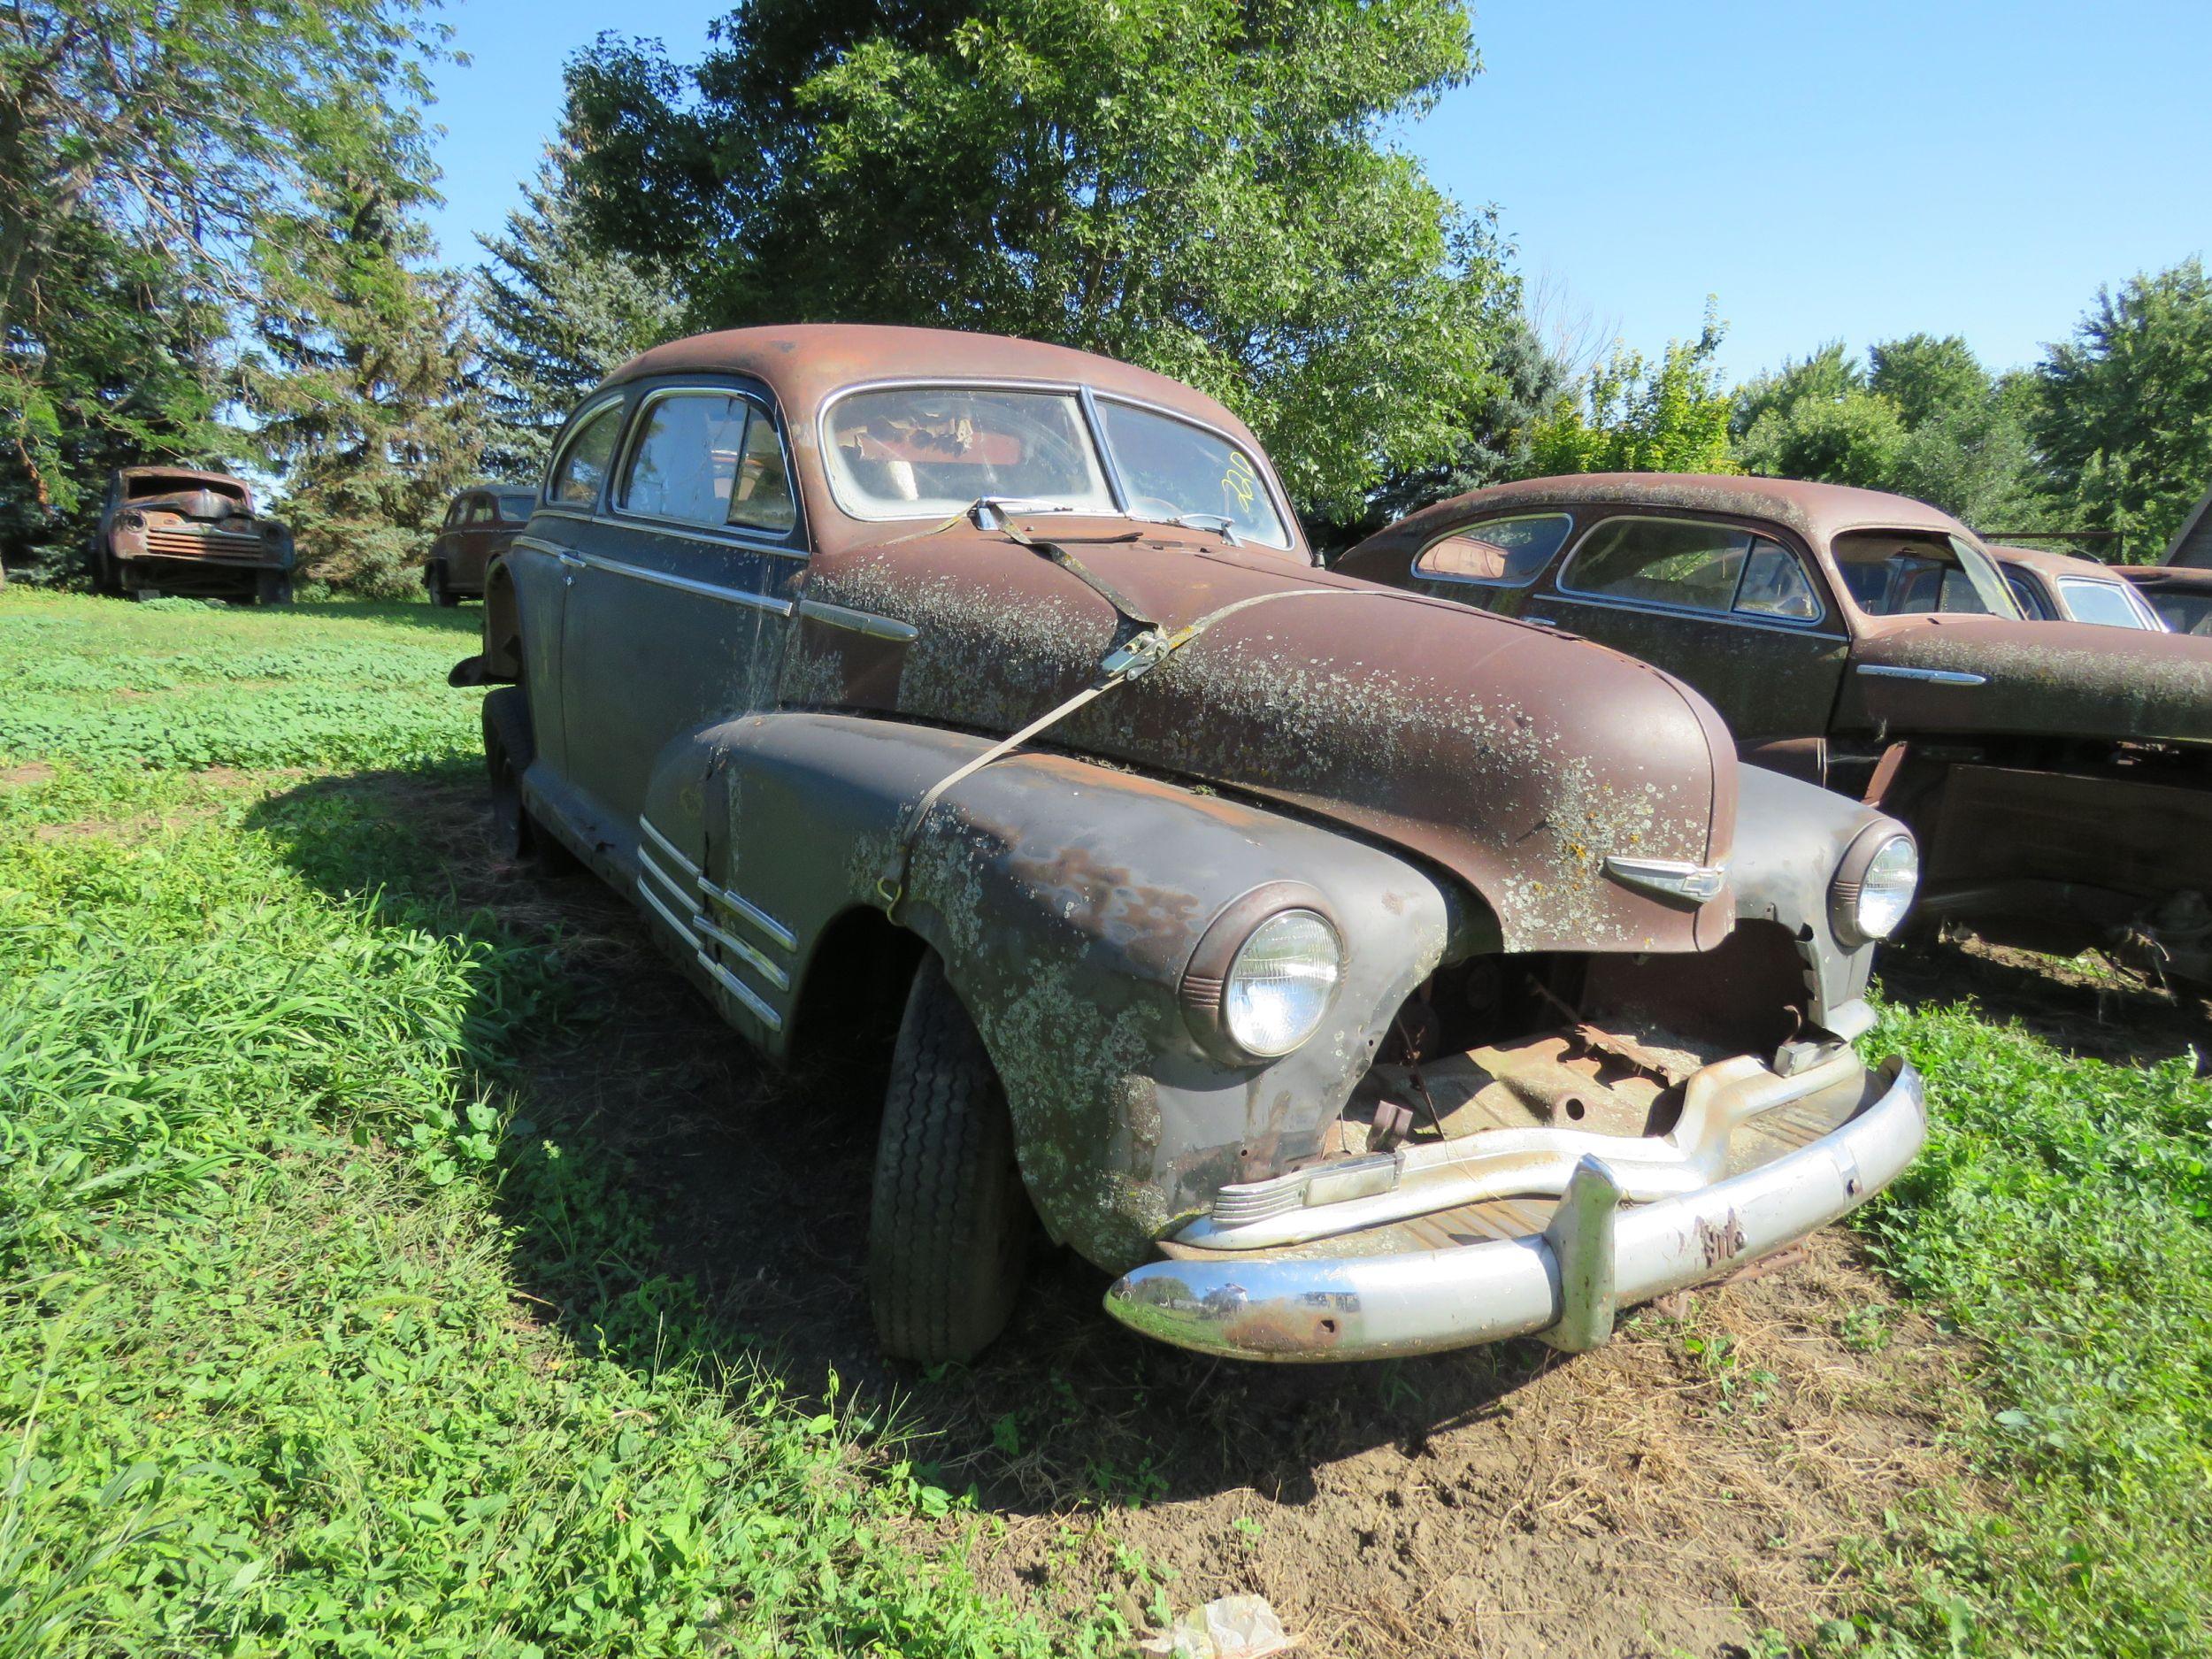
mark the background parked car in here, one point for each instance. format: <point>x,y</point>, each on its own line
<point>173,530</point>
<point>2059,776</point>
<point>1359,954</point>
<point>2183,598</point>
<point>2072,587</point>
<point>479,524</point>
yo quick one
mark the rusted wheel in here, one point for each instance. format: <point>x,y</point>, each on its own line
<point>272,588</point>
<point>508,750</point>
<point>949,1232</point>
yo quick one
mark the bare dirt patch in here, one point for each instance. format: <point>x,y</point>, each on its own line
<point>2084,1006</point>
<point>36,772</point>
<point>1678,1492</point>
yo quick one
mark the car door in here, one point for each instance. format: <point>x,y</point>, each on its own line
<point>445,547</point>
<point>675,615</point>
<point>543,566</point>
<point>1735,608</point>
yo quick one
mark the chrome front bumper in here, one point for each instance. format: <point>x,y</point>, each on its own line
<point>1597,1255</point>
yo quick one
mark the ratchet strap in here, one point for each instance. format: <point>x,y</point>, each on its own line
<point>1131,660</point>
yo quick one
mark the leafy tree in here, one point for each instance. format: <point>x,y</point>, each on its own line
<point>559,315</point>
<point>362,389</point>
<point>1200,187</point>
<point>1924,419</point>
<point>140,146</point>
<point>1497,436</point>
<point>2125,411</point>
<point>1632,416</point>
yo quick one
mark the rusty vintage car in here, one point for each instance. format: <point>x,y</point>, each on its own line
<point>1352,973</point>
<point>479,524</point>
<point>174,530</point>
<point>2057,774</point>
<point>2182,597</point>
<point>2050,587</point>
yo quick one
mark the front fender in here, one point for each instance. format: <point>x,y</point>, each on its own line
<point>1065,899</point>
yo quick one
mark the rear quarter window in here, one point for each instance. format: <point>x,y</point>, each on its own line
<point>1497,553</point>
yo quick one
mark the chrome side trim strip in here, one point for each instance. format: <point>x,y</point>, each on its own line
<point>669,847</point>
<point>746,954</point>
<point>686,585</point>
<point>743,992</point>
<point>675,887</point>
<point>859,621</point>
<point>666,915</point>
<point>1726,618</point>
<point>745,911</point>
<point>1929,676</point>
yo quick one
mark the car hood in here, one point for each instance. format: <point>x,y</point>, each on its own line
<point>1514,759</point>
<point>2007,677</point>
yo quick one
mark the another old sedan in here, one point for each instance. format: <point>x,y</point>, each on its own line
<point>2058,774</point>
<point>1352,973</point>
<point>2183,598</point>
<point>2070,587</point>
<point>479,524</point>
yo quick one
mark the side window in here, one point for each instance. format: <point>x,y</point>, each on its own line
<point>480,510</point>
<point>709,459</point>
<point>762,499</point>
<point>583,465</point>
<point>1775,585</point>
<point>1503,552</point>
<point>2031,603</point>
<point>1661,561</point>
<point>454,514</point>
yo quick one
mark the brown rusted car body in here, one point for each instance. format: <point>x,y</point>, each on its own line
<point>2182,597</point>
<point>2058,774</point>
<point>2050,587</point>
<point>478,526</point>
<point>175,530</point>
<point>846,649</point>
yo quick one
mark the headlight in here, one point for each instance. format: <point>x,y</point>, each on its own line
<point>1874,888</point>
<point>1279,984</point>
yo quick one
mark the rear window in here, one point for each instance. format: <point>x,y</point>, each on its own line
<point>516,508</point>
<point>1503,553</point>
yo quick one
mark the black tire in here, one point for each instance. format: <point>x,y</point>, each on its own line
<point>440,596</point>
<point>950,1232</point>
<point>272,588</point>
<point>509,749</point>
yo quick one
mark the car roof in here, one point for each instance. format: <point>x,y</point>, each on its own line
<point>1815,511</point>
<point>152,471</point>
<point>2054,564</point>
<point>807,362</point>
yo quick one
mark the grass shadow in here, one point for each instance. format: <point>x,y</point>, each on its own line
<point>2084,1009</point>
<point>706,1206</point>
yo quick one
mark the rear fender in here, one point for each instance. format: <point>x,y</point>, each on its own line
<point>1066,900</point>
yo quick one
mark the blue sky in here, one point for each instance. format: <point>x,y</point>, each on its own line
<point>1854,170</point>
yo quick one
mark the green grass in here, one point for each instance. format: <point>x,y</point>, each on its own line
<point>2062,1216</point>
<point>271,1382</point>
<point>308,1345</point>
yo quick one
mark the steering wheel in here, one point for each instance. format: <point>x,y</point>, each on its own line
<point>1140,504</point>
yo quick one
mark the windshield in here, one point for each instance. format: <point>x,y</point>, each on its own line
<point>1905,572</point>
<point>913,452</point>
<point>2105,603</point>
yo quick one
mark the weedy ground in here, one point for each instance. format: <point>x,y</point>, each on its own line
<point>396,1259</point>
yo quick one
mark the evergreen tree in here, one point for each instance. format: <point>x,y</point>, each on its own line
<point>141,147</point>
<point>363,385</point>
<point>559,314</point>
